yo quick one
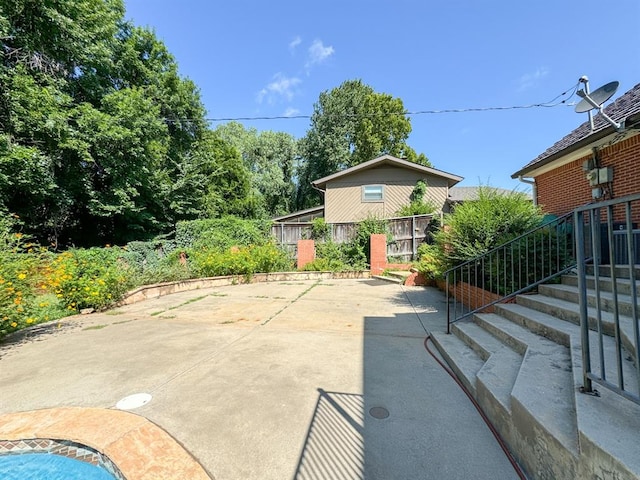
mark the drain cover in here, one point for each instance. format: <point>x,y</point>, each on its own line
<point>379,412</point>
<point>133,401</point>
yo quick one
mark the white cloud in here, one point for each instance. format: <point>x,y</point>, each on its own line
<point>281,87</point>
<point>529,80</point>
<point>318,53</point>
<point>291,112</point>
<point>294,43</point>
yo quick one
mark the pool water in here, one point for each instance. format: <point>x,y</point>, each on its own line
<point>48,466</point>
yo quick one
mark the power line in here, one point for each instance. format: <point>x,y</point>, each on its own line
<point>551,103</point>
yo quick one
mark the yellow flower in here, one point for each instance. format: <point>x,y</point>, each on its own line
<point>14,324</point>
<point>30,320</point>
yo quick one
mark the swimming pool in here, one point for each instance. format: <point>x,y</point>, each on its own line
<point>48,466</point>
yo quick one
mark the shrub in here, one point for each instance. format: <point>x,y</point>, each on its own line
<point>431,261</point>
<point>320,230</point>
<point>221,233</point>
<point>154,262</point>
<point>361,243</point>
<point>475,227</point>
<point>338,257</point>
<point>89,278</point>
<point>416,208</point>
<point>327,265</point>
<point>239,261</point>
<point>18,269</point>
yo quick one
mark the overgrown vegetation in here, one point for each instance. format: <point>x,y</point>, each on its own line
<point>37,285</point>
<point>347,256</point>
<point>476,227</point>
<point>417,205</point>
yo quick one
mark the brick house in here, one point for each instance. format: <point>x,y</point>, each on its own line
<point>590,165</point>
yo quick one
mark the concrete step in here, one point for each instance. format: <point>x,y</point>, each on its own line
<point>401,275</point>
<point>527,360</point>
<point>570,293</point>
<point>388,278</point>
<point>542,399</point>
<point>562,332</point>
<point>496,377</point>
<point>608,425</point>
<point>620,271</point>
<point>623,285</point>
<point>569,311</point>
<point>464,362</point>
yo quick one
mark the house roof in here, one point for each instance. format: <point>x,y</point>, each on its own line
<point>293,216</point>
<point>625,109</point>
<point>388,160</point>
<point>462,194</point>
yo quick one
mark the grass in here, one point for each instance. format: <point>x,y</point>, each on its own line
<point>95,327</point>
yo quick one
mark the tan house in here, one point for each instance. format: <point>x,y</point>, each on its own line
<point>379,188</point>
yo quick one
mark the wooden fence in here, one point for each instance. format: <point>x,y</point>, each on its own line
<point>406,232</point>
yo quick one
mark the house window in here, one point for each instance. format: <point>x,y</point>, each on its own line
<point>372,193</point>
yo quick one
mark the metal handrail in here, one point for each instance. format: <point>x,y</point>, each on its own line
<point>614,254</point>
<point>510,269</point>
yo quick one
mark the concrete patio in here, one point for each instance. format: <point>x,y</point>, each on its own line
<point>298,379</point>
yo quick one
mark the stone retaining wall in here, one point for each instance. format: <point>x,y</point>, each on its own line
<point>160,289</point>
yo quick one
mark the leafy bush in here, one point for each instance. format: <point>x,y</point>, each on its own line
<point>431,261</point>
<point>475,227</point>
<point>361,243</point>
<point>349,256</point>
<point>338,257</point>
<point>23,301</point>
<point>320,230</point>
<point>239,261</point>
<point>327,265</point>
<point>91,278</point>
<point>221,233</point>
<point>415,208</point>
<point>155,262</point>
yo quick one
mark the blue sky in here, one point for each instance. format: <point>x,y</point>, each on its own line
<point>256,58</point>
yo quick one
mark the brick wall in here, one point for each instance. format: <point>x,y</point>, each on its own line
<point>566,187</point>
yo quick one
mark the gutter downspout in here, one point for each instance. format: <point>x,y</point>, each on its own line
<point>534,190</point>
<point>324,215</point>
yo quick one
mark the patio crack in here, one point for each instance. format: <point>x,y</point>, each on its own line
<point>302,294</point>
<point>233,342</point>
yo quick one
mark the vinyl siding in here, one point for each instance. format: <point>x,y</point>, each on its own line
<point>343,197</point>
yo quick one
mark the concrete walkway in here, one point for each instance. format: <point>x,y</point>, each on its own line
<point>308,380</point>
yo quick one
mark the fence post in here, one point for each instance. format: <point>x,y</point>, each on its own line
<point>378,253</point>
<point>306,252</point>
<point>414,251</point>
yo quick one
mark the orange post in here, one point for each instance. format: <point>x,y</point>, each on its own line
<point>378,253</point>
<point>306,252</point>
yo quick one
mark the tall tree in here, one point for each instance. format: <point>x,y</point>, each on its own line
<point>350,125</point>
<point>99,134</point>
<point>270,158</point>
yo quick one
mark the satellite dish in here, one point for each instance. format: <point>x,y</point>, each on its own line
<point>596,98</point>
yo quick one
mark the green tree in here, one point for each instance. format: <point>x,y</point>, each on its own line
<point>269,157</point>
<point>351,124</point>
<point>101,139</point>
